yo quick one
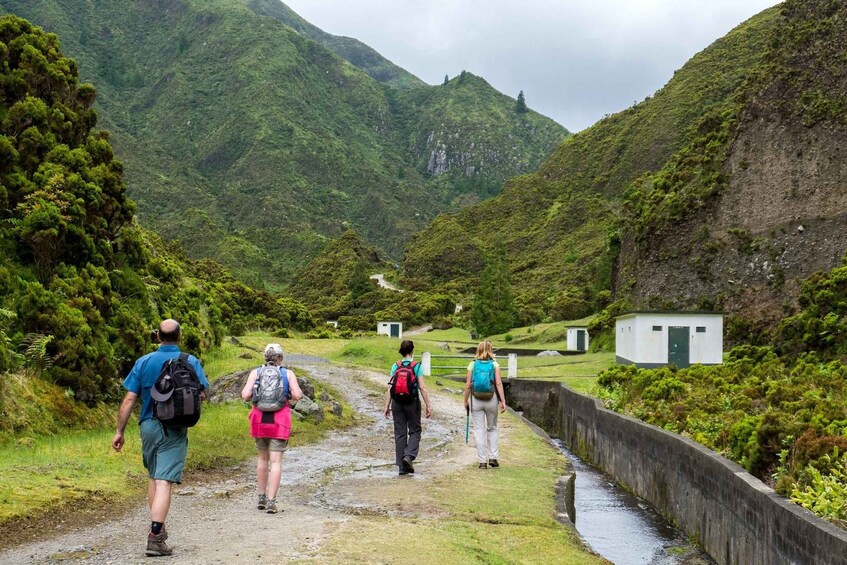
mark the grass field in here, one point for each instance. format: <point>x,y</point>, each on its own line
<point>39,472</point>
<point>474,516</point>
<point>48,472</point>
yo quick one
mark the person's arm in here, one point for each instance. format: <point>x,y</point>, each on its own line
<point>424,392</point>
<point>247,391</point>
<point>499,384</point>
<point>123,417</point>
<point>198,368</point>
<point>294,387</point>
<point>425,395</point>
<point>387,410</point>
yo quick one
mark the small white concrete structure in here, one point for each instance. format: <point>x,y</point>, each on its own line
<point>333,323</point>
<point>657,339</point>
<point>577,338</point>
<point>391,329</point>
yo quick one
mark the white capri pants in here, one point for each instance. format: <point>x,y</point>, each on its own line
<point>484,414</point>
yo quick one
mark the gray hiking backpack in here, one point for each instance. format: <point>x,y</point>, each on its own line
<point>270,392</point>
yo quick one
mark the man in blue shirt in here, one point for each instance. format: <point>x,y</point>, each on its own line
<point>163,449</point>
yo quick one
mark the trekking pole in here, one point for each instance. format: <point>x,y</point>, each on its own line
<point>467,422</point>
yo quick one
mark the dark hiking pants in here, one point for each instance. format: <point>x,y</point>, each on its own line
<point>407,429</point>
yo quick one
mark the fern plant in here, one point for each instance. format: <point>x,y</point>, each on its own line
<point>826,495</point>
<point>34,347</point>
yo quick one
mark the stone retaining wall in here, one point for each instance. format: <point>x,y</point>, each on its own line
<point>735,517</point>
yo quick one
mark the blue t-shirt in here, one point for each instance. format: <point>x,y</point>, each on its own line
<point>146,370</point>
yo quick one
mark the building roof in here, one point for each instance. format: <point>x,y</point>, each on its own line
<point>671,313</point>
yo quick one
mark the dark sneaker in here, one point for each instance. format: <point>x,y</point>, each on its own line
<point>263,502</point>
<point>403,471</point>
<point>407,465</point>
<point>156,545</point>
<point>483,465</point>
<point>493,463</point>
<point>272,509</point>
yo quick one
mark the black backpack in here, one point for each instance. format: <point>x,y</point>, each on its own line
<point>176,394</point>
<point>404,383</point>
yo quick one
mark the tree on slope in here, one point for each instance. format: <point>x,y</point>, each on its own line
<point>494,305</point>
<point>520,105</point>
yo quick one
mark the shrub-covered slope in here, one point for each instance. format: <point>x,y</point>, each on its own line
<point>81,285</point>
<point>740,217</point>
<point>252,143</point>
<point>559,222</point>
<point>351,49</point>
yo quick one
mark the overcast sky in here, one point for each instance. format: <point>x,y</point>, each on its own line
<point>575,60</point>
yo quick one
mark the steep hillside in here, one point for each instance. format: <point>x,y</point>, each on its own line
<point>362,56</point>
<point>559,222</point>
<point>252,143</point>
<point>757,203</point>
<point>81,284</point>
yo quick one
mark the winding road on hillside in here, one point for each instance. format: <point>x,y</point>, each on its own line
<point>381,282</point>
<point>325,487</point>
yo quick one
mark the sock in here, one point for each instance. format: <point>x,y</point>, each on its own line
<point>156,528</point>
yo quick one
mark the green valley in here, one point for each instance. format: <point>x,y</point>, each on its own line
<point>253,142</point>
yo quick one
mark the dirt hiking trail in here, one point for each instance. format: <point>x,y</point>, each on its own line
<point>325,488</point>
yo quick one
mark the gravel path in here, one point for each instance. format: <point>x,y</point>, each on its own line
<point>323,486</point>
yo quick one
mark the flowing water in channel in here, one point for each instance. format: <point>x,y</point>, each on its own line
<point>623,528</point>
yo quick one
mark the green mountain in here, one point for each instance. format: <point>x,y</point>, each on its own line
<point>362,56</point>
<point>722,191</point>
<point>251,141</point>
<point>755,204</point>
<point>560,223</point>
<point>81,284</point>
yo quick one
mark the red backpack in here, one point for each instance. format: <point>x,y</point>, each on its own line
<point>404,383</point>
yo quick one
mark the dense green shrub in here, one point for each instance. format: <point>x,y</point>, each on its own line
<point>777,419</point>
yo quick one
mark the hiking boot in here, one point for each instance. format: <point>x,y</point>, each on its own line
<point>493,463</point>
<point>156,545</point>
<point>263,502</point>
<point>403,471</point>
<point>407,464</point>
<point>272,509</point>
<point>483,465</point>
<point>164,533</point>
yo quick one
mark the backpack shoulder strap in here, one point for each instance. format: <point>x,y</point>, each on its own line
<point>283,375</point>
<point>184,356</point>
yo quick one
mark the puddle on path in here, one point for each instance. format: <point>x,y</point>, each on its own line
<point>623,528</point>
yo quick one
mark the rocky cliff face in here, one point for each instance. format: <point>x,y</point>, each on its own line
<point>782,214</point>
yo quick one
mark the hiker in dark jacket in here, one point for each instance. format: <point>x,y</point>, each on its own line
<point>405,405</point>
<point>163,449</point>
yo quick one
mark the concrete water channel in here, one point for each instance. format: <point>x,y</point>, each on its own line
<point>621,527</point>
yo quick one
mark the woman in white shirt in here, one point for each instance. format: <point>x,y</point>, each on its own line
<point>484,395</point>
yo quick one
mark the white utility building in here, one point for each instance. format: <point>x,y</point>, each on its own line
<point>391,329</point>
<point>577,338</point>
<point>656,339</point>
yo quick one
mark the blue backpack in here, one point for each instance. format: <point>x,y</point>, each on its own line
<point>482,379</point>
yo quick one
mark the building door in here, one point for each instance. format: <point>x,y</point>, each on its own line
<point>395,330</point>
<point>580,340</point>
<point>678,345</point>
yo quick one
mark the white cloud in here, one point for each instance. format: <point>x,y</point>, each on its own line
<point>575,60</point>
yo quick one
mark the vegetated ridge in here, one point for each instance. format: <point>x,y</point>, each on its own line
<point>251,143</point>
<point>81,284</point>
<point>560,223</point>
<point>756,204</point>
